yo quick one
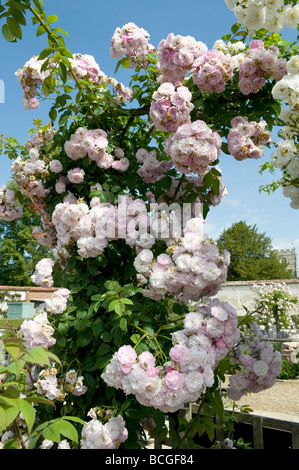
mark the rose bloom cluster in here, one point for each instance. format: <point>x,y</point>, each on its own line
<point>85,67</point>
<point>94,143</point>
<point>47,444</point>
<point>30,174</point>
<point>275,306</point>
<point>213,70</point>
<point>42,275</point>
<point>235,49</point>
<point>171,107</point>
<point>96,435</point>
<point>271,15</point>
<point>176,56</point>
<point>172,192</point>
<point>37,332</point>
<point>132,41</point>
<point>193,268</point>
<point>57,303</point>
<point>286,155</point>
<point>287,89</point>
<point>258,65</point>
<point>41,138</point>
<point>193,147</point>
<point>260,366</point>
<point>92,227</point>
<point>152,169</point>
<point>56,389</point>
<point>10,208</point>
<point>209,333</point>
<point>245,138</point>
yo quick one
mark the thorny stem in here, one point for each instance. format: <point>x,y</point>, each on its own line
<point>48,30</point>
<point>19,434</point>
<point>196,416</point>
<point>178,187</point>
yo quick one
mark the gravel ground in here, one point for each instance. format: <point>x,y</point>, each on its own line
<point>282,398</point>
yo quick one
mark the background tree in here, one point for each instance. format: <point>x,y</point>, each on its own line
<point>252,254</point>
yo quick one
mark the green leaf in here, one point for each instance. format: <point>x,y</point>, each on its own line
<point>102,361</point>
<point>132,414</point>
<point>14,350</point>
<point>53,114</point>
<point>135,338</point>
<point>112,286</point>
<point>28,413</point>
<point>152,57</point>
<point>75,419</point>
<point>40,30</point>
<point>65,52</point>
<point>37,355</point>
<point>14,27</point>
<point>126,404</point>
<point>7,34</point>
<point>40,400</point>
<point>62,71</point>
<point>125,62</point>
<point>16,367</point>
<point>10,391</point>
<point>126,301</point>
<point>7,415</point>
<point>63,328</point>
<point>217,403</point>
<point>123,324</point>
<point>18,15</point>
<point>48,85</point>
<point>235,28</point>
<point>52,433</point>
<point>103,349</point>
<point>11,444</point>
<point>159,418</point>
<point>59,30</point>
<point>52,18</point>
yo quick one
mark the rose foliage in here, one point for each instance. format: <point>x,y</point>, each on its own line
<point>123,178</point>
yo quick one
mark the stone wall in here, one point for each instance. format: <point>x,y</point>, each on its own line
<point>240,293</point>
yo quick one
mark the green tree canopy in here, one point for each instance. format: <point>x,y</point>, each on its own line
<point>19,251</point>
<point>252,254</point>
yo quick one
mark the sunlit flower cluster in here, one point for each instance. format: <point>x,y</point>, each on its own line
<point>191,268</point>
<point>260,64</point>
<point>56,388</point>
<point>38,331</point>
<point>260,365</point>
<point>171,107</point>
<point>208,335</point>
<point>96,435</point>
<point>212,71</point>
<point>176,56</point>
<point>132,41</point>
<point>272,15</point>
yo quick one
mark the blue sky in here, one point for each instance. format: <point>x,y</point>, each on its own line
<point>90,26</point>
